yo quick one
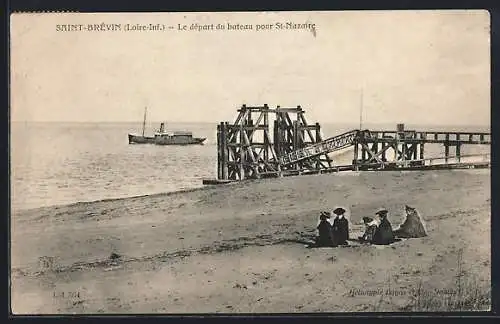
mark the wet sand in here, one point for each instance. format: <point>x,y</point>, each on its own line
<point>241,247</point>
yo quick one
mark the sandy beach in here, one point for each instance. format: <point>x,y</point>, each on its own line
<point>240,248</point>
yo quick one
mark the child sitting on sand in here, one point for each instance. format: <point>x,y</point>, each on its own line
<point>371,226</point>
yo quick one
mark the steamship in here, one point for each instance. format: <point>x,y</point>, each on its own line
<point>162,137</point>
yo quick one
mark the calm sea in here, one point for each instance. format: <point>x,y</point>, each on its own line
<point>61,163</point>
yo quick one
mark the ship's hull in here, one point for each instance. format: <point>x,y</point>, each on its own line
<point>176,140</point>
<point>179,141</point>
<point>137,139</point>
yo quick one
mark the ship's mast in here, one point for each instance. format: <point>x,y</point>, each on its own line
<point>144,122</point>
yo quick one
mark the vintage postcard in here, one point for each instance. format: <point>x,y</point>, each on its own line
<point>250,162</point>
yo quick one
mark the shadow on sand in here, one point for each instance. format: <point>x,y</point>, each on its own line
<point>350,243</point>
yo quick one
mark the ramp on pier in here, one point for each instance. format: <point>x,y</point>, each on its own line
<point>327,146</point>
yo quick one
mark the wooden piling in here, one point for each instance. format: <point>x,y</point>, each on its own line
<point>266,133</point>
<point>356,153</point>
<point>375,148</point>
<point>225,152</point>
<point>219,152</point>
<point>242,153</point>
<point>295,140</point>
<point>446,147</point>
<point>276,138</point>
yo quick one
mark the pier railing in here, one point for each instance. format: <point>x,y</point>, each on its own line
<point>467,158</point>
<point>430,136</point>
<point>469,161</point>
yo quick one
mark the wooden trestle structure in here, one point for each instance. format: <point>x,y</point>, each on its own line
<point>248,150</point>
<point>245,149</point>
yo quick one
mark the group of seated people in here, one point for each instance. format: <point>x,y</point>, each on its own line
<point>378,230</point>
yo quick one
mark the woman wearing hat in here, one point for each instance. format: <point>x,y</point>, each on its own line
<point>383,235</point>
<point>325,231</point>
<point>340,227</point>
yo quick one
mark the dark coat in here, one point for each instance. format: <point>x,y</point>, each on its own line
<point>340,230</point>
<point>325,234</point>
<point>384,234</point>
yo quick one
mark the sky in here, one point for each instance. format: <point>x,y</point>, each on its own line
<point>418,67</point>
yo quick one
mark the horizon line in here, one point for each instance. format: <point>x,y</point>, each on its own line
<point>212,122</point>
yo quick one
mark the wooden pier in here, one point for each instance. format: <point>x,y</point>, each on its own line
<point>409,145</point>
<point>247,149</point>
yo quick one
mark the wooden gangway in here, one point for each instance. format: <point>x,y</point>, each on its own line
<point>327,146</point>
